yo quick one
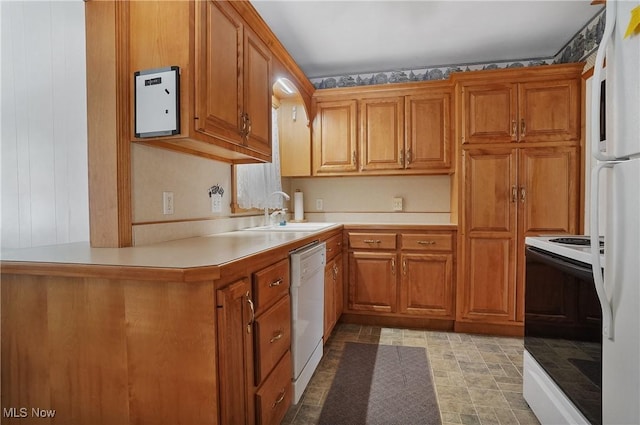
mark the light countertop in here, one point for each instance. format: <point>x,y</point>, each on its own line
<point>190,253</point>
<point>203,251</point>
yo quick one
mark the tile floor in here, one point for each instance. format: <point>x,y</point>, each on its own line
<point>478,379</point>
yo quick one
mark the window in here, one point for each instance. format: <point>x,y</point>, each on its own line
<point>255,182</point>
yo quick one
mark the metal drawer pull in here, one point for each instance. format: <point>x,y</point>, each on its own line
<point>514,126</point>
<point>280,399</point>
<point>523,128</point>
<point>253,313</point>
<point>276,283</point>
<point>426,242</point>
<point>523,193</point>
<point>277,337</point>
<point>372,241</point>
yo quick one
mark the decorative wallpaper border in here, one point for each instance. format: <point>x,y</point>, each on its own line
<point>583,44</point>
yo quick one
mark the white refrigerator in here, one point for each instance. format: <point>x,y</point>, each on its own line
<point>618,154</point>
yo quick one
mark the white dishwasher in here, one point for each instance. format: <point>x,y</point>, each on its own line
<point>307,312</point>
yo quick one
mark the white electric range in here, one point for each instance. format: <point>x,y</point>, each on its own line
<point>562,376</point>
<point>575,247</point>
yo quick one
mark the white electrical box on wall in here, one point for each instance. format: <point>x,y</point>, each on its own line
<point>157,102</point>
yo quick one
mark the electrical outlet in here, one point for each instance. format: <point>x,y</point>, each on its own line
<point>397,204</point>
<point>167,203</point>
<point>216,203</point>
<point>319,205</point>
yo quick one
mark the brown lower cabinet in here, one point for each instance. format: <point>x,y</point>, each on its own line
<point>137,345</point>
<point>333,285</point>
<point>254,347</point>
<point>401,276</point>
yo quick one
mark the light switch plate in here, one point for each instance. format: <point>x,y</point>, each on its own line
<point>157,102</point>
<point>167,203</point>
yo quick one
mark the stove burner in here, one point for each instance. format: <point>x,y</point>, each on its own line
<point>574,241</point>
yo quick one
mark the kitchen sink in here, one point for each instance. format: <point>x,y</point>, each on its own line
<point>292,227</point>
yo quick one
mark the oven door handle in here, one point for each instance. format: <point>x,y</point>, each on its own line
<point>584,273</point>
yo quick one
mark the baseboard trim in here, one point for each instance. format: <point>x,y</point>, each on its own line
<point>398,321</point>
<point>515,329</point>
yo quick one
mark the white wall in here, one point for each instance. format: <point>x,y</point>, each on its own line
<point>44,125</point>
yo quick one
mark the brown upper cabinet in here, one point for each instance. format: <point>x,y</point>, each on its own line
<point>505,110</point>
<point>382,133</point>
<point>402,129</point>
<point>335,143</point>
<point>228,60</point>
<point>233,80</point>
<point>428,130</point>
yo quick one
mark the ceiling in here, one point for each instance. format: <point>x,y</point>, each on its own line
<point>332,38</point>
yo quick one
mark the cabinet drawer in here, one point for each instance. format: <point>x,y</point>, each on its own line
<point>275,396</point>
<point>334,246</point>
<point>372,240</point>
<point>270,284</point>
<point>273,337</point>
<point>426,241</point>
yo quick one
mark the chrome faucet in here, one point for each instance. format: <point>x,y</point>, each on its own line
<point>266,205</point>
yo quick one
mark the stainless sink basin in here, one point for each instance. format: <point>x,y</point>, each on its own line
<point>292,227</point>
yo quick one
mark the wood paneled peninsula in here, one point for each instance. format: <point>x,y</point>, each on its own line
<point>160,334</point>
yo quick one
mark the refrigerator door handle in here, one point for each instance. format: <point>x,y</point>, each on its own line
<point>598,277</point>
<point>596,91</point>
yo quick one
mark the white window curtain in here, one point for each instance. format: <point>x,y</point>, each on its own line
<point>255,182</point>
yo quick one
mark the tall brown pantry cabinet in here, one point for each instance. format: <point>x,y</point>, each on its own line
<point>518,144</point>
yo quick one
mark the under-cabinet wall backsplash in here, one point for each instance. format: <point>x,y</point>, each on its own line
<point>425,199</point>
<point>189,178</point>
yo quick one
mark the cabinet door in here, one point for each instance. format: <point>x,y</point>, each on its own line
<point>549,111</point>
<point>426,286</point>
<point>372,282</point>
<point>488,292</point>
<point>548,190</point>
<point>489,113</point>
<point>428,131</point>
<point>219,89</point>
<point>334,137</point>
<point>382,133</point>
<point>487,289</point>
<point>257,93</point>
<point>235,352</point>
<point>490,190</point>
